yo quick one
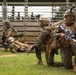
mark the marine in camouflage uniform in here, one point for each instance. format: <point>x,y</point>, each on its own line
<point>66,49</point>
<point>10,42</point>
<point>41,44</point>
<point>53,46</point>
<point>9,31</point>
<point>17,46</point>
<point>42,40</point>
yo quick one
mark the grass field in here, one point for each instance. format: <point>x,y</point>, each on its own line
<point>21,64</point>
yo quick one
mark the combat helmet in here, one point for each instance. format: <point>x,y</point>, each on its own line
<point>70,11</point>
<point>7,22</point>
<point>44,21</point>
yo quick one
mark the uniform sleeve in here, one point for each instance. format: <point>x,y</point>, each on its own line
<point>54,26</point>
<point>11,31</point>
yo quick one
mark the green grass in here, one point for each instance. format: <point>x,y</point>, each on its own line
<point>21,64</point>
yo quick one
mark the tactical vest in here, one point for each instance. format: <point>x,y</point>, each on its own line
<point>71,27</point>
<point>14,32</point>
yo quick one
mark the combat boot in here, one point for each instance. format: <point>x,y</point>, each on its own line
<point>39,62</point>
<point>13,50</point>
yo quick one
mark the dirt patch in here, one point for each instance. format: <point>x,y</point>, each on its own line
<point>8,55</point>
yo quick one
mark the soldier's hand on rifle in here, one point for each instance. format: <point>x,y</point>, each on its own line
<point>62,35</point>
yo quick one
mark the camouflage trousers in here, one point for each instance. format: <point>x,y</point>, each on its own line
<point>39,50</point>
<point>17,46</point>
<point>74,62</point>
<point>66,56</point>
<point>51,50</point>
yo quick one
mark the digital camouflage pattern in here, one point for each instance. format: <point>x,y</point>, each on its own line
<point>52,47</point>
<point>9,31</point>
<point>11,41</point>
<point>66,49</point>
<point>42,39</point>
<point>40,43</point>
<point>12,30</point>
<point>9,28</point>
<point>17,46</point>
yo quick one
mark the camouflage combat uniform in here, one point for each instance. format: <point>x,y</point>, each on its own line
<point>66,49</point>
<point>52,47</point>
<point>9,31</point>
<point>42,40</point>
<point>17,46</point>
<point>11,43</point>
<point>41,44</point>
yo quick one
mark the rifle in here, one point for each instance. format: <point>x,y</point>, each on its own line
<point>19,35</point>
<point>16,36</point>
<point>4,38</point>
<point>69,36</point>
